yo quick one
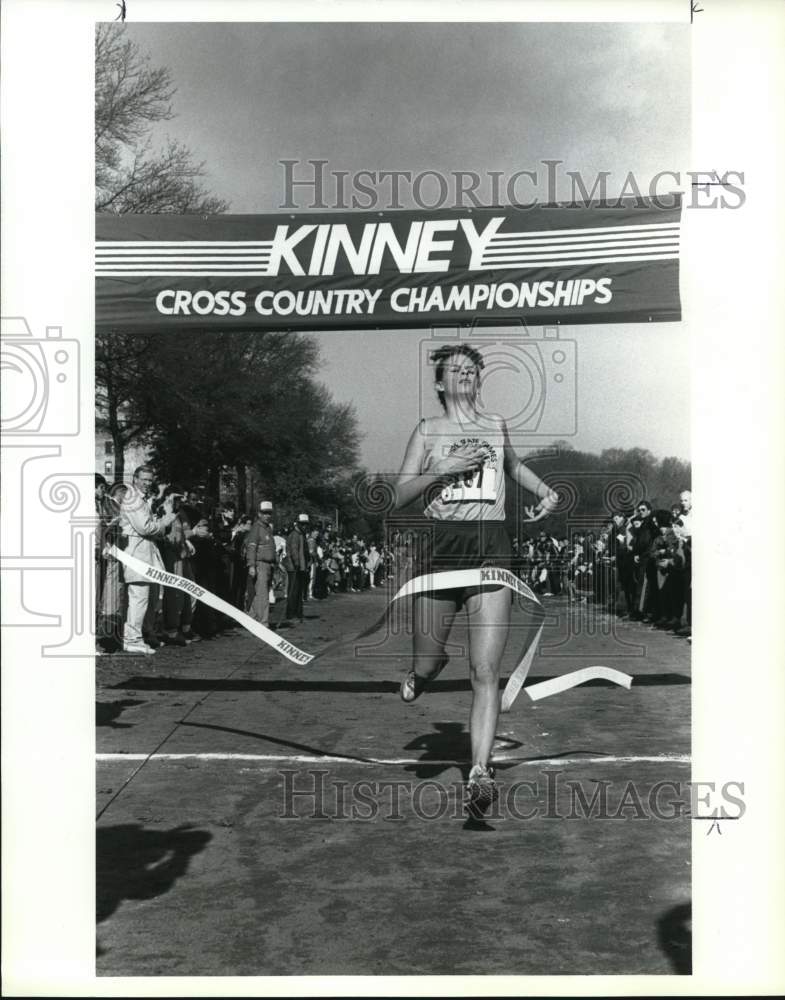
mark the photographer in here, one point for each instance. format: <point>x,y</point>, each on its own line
<point>142,529</point>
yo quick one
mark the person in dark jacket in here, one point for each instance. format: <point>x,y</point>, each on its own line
<point>644,535</point>
<point>297,568</point>
<point>620,555</point>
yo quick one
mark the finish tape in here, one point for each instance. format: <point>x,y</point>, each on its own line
<point>427,583</point>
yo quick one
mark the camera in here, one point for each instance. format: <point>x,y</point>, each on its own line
<point>40,380</point>
<point>529,378</point>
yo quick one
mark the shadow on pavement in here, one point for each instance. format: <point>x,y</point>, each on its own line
<point>450,746</point>
<point>107,711</point>
<point>353,687</point>
<point>449,742</point>
<point>289,744</point>
<point>135,863</point>
<point>674,935</point>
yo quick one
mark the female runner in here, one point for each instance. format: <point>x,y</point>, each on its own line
<point>457,463</point>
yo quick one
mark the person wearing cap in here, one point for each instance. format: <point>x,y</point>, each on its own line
<point>260,559</point>
<point>297,566</point>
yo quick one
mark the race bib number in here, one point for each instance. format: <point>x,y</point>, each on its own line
<point>479,485</point>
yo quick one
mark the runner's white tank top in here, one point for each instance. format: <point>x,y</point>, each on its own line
<point>471,496</point>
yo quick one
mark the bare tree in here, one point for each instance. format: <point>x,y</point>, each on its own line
<point>130,98</point>
<point>131,175</point>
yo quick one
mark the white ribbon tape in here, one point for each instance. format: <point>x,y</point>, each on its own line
<point>544,689</point>
<point>429,582</point>
<point>451,579</point>
<point>517,678</point>
<point>162,577</point>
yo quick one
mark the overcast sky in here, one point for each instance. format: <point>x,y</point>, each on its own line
<point>449,97</point>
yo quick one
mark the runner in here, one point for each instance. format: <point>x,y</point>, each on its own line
<point>456,463</point>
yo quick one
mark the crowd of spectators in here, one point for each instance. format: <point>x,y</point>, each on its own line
<point>262,565</point>
<point>637,565</point>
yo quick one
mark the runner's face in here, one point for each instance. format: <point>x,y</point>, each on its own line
<point>461,378</point>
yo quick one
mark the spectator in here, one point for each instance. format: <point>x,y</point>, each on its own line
<point>192,507</point>
<point>177,550</point>
<point>602,566</point>
<point>374,562</point>
<point>205,621</point>
<point>579,584</point>
<point>356,570</point>
<point>313,562</point>
<point>280,576</point>
<point>331,567</point>
<point>224,521</point>
<point>685,513</point>
<point>619,541</point>
<point>644,566</point>
<point>683,530</point>
<point>113,596</point>
<point>142,529</point>
<point>107,518</point>
<point>240,573</point>
<point>261,559</point>
<point>670,566</point>
<point>658,565</point>
<point>297,567</point>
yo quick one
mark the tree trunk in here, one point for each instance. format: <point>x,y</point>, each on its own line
<point>242,488</point>
<point>214,483</point>
<point>118,443</point>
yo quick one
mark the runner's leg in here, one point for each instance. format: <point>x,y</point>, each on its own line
<point>488,612</point>
<point>433,618</point>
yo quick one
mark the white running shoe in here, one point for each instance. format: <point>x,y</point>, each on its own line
<point>481,791</point>
<point>138,648</point>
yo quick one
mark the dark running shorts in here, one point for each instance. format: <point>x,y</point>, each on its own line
<point>452,545</point>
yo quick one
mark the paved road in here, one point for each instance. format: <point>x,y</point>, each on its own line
<point>303,820</point>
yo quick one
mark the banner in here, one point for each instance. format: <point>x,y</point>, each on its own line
<point>550,264</point>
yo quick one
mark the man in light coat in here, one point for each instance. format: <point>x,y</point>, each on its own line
<point>141,529</point>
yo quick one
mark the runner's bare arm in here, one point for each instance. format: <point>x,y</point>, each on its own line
<point>521,474</point>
